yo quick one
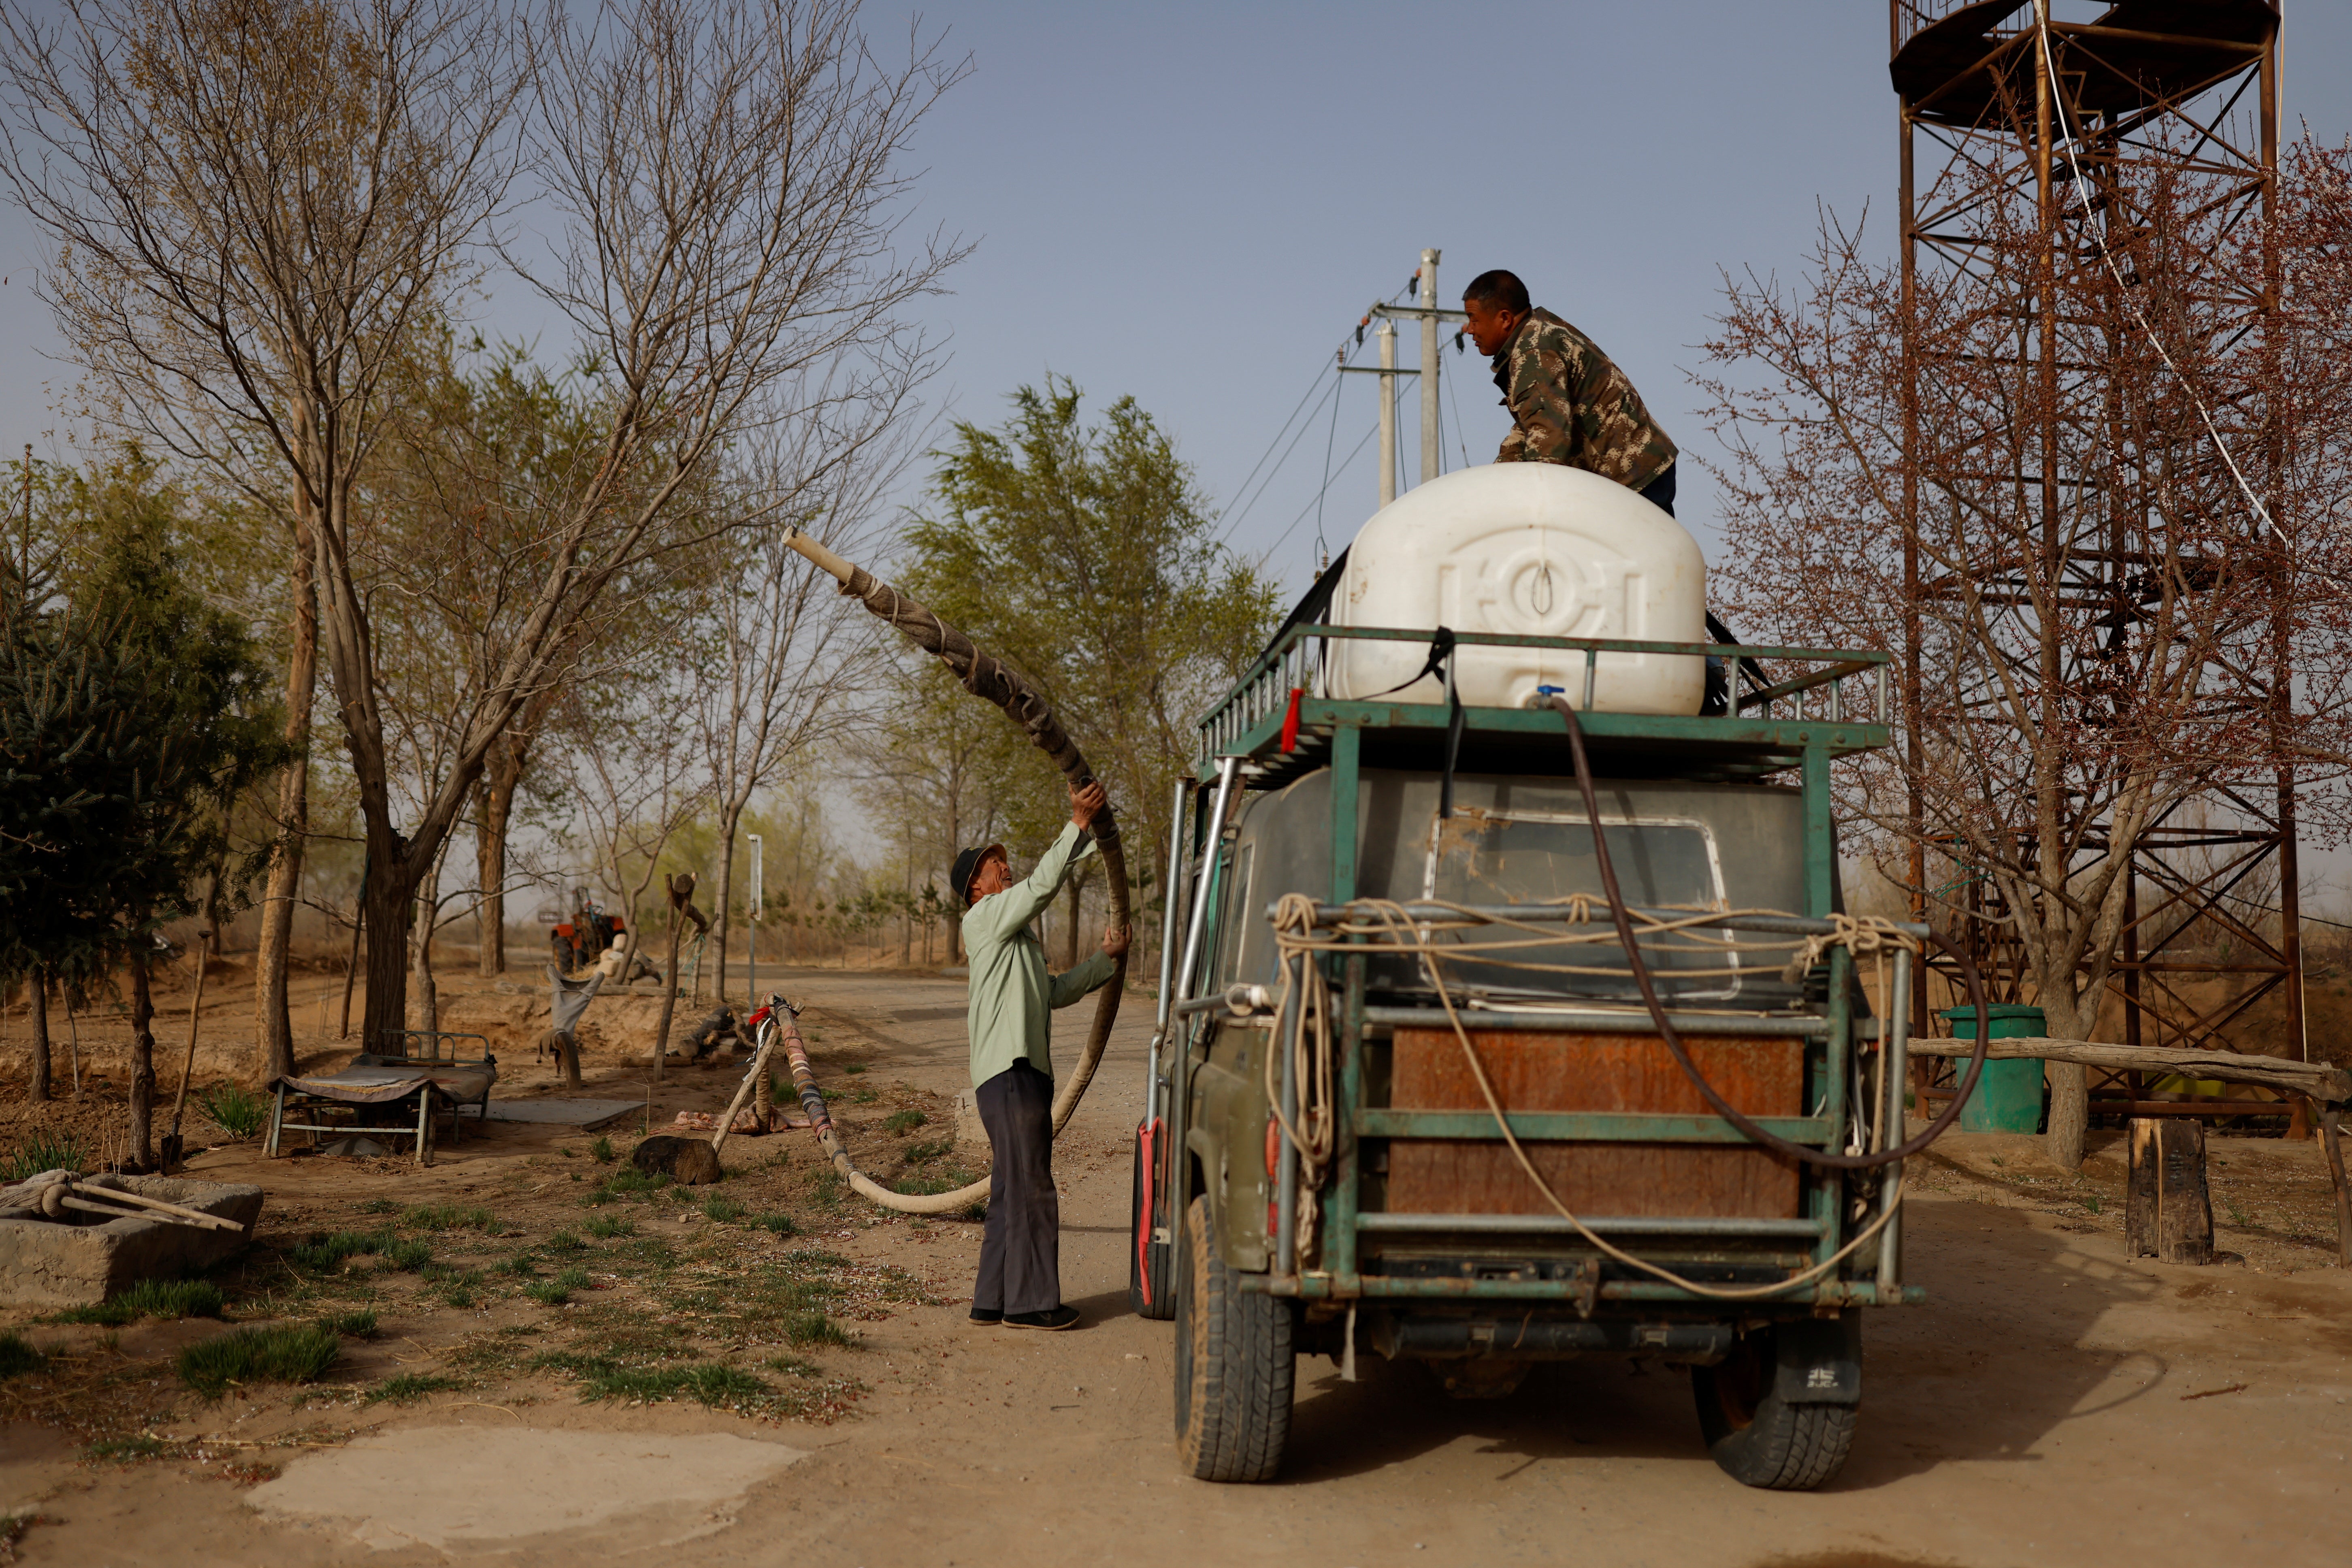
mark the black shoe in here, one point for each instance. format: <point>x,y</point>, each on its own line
<point>987,1315</point>
<point>1052,1320</point>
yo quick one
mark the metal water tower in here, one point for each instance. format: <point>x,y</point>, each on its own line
<point>2072,113</point>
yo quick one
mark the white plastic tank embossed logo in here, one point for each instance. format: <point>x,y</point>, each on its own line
<point>1524,550</point>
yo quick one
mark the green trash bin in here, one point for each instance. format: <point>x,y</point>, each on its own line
<point>2009,1095</point>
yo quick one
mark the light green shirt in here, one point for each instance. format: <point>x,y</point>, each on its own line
<point>1013,996</point>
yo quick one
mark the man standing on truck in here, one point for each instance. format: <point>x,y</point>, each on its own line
<point>1570,403</point>
<point>1010,1019</point>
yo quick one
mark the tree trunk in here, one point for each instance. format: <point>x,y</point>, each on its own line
<point>142,1064</point>
<point>723,914</point>
<point>391,905</point>
<point>273,1026</point>
<point>428,1000</point>
<point>36,985</point>
<point>495,793</point>
<point>2070,1090</point>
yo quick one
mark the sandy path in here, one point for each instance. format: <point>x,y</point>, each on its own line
<point>2053,1403</point>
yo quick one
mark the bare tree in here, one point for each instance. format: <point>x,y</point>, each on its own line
<point>779,658</point>
<point>251,207</point>
<point>726,187</point>
<point>635,779</point>
<point>2096,596</point>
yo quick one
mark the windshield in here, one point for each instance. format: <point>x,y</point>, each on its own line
<point>1493,857</point>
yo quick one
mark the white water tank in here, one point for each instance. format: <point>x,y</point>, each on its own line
<point>1528,550</point>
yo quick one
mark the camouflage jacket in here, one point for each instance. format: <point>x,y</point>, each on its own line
<point>1569,404</point>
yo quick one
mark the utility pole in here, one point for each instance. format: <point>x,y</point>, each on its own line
<point>1431,319</point>
<point>1385,333</point>
<point>752,931</point>
<point>1431,455</point>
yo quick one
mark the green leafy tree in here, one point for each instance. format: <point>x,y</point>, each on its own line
<point>1084,554</point>
<point>132,718</point>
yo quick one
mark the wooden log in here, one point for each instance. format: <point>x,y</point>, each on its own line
<point>2169,1212</point>
<point>2332,1136</point>
<point>2323,1083</point>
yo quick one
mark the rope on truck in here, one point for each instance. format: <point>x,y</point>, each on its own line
<point>1386,925</point>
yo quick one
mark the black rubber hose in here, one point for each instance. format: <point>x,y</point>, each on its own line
<point>1823,1157</point>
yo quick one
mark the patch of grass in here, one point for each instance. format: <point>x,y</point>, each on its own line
<point>777,1223</point>
<point>921,1153</point>
<point>359,1325</point>
<point>408,1387</point>
<point>930,1182</point>
<point>16,1355</point>
<point>861,1097</point>
<point>569,1152</point>
<point>904,1120</point>
<point>2091,1201</point>
<point>802,1330</point>
<point>279,1354</point>
<point>522,1266</point>
<point>630,1181</point>
<point>2238,1216</point>
<point>707,1382</point>
<point>853,1069</point>
<point>565,1241</point>
<point>165,1300</point>
<point>449,1216</point>
<point>457,1287</point>
<point>43,1149</point>
<point>236,1110</point>
<point>826,1189</point>
<point>722,1209</point>
<point>605,1227</point>
<point>127,1451</point>
<point>380,1205</point>
<point>602,1152</point>
<point>794,1366</point>
<point>403,1257</point>
<point>324,1254</point>
<point>556,1291</point>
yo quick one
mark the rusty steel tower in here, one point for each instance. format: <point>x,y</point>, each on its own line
<point>2044,124</point>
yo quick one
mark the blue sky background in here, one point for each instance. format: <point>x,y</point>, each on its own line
<point>1193,203</point>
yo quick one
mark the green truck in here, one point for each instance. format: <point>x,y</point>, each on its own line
<point>1406,1098</point>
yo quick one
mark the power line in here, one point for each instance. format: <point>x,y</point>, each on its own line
<point>1315,505</point>
<point>1304,425</point>
<point>1242,490</point>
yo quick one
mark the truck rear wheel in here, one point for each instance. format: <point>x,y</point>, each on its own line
<point>1757,1437</point>
<point>1234,1366</point>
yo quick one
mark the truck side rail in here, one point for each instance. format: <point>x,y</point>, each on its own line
<point>1291,665</point>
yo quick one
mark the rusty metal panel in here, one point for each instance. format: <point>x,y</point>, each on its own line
<point>1533,1071</point>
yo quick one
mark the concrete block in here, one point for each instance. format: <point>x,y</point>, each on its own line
<point>80,1261</point>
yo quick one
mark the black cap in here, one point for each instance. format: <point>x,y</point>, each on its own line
<point>967,866</point>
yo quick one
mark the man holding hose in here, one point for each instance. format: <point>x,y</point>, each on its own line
<point>1010,1019</point>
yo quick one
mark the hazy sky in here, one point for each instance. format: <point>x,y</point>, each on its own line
<point>1193,203</point>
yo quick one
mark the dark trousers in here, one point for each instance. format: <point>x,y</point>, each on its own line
<point>1020,1248</point>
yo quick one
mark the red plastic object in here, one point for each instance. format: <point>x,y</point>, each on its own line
<point>1290,720</point>
<point>1148,1137</point>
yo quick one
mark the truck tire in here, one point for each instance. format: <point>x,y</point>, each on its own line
<point>1234,1366</point>
<point>1759,1439</point>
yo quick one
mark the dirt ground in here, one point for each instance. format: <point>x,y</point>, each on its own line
<point>544,1338</point>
